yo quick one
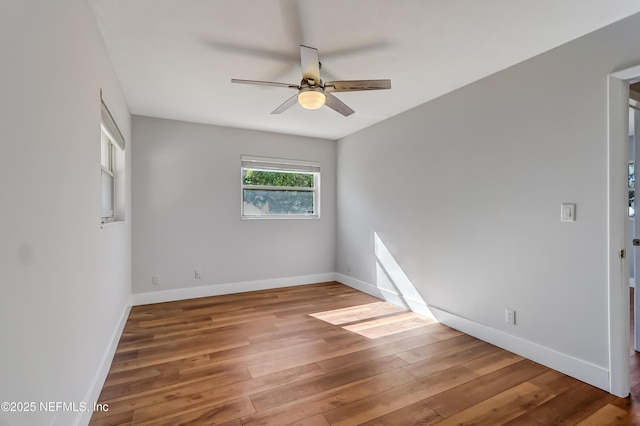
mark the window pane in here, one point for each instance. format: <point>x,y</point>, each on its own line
<point>107,195</point>
<point>105,152</point>
<point>261,202</point>
<point>632,192</point>
<point>277,178</point>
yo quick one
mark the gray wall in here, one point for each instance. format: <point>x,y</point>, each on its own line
<point>465,191</point>
<point>186,193</point>
<point>64,282</point>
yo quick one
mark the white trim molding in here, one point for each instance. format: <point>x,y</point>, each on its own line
<point>582,370</point>
<point>403,301</point>
<point>618,270</point>
<point>571,366</point>
<point>360,285</point>
<point>97,383</point>
<point>227,288</point>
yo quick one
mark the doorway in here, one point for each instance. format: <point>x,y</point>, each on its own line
<point>633,229</point>
<point>618,231</point>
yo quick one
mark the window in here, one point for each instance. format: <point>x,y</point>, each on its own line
<point>111,169</point>
<point>632,190</point>
<point>107,165</point>
<point>274,188</point>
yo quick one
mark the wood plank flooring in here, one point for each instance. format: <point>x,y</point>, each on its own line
<point>326,354</point>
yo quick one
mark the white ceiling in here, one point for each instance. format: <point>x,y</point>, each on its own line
<point>175,58</point>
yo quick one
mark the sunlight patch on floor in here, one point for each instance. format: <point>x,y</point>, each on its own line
<point>390,325</point>
<point>374,320</point>
<point>357,313</point>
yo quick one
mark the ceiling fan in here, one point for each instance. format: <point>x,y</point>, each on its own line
<point>313,93</point>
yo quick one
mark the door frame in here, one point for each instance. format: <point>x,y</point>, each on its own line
<point>617,216</point>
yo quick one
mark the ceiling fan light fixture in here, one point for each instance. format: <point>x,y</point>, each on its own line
<point>311,90</point>
<point>311,98</point>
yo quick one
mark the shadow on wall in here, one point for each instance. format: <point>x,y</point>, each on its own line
<point>394,284</point>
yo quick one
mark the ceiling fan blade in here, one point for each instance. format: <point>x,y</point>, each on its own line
<point>265,83</point>
<point>310,63</point>
<point>286,105</point>
<point>356,85</point>
<point>337,105</point>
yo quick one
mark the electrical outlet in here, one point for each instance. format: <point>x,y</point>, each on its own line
<point>510,316</point>
<point>568,212</point>
<point>197,273</point>
<point>155,280</point>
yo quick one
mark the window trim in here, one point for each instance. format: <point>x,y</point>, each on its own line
<point>283,165</point>
<point>115,169</point>
<point>631,188</point>
<point>110,126</point>
<point>111,171</point>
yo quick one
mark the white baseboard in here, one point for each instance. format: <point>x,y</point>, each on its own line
<point>417,306</point>
<point>359,285</point>
<point>227,288</point>
<point>579,369</point>
<point>105,364</point>
<point>571,366</point>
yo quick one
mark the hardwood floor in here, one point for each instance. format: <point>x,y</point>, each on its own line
<point>326,354</point>
<point>634,397</point>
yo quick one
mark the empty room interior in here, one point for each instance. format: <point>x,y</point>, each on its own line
<point>294,212</point>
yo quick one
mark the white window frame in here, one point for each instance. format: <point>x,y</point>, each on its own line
<point>110,170</point>
<point>632,173</point>
<point>280,165</point>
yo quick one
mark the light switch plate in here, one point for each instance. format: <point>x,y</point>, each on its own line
<point>568,212</point>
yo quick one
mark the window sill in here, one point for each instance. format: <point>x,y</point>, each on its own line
<point>310,217</point>
<point>111,224</point>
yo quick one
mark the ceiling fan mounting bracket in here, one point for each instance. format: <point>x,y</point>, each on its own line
<point>310,82</point>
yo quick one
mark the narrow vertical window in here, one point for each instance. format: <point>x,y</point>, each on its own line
<point>108,176</point>
<point>632,190</point>
<point>111,168</point>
